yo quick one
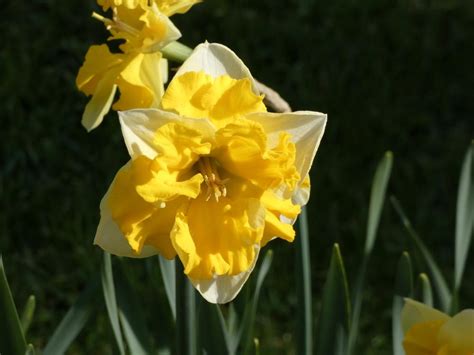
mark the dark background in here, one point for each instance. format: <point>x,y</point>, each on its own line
<point>392,75</point>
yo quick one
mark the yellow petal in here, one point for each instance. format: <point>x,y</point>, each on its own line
<point>219,238</point>
<point>135,90</point>
<point>457,334</point>
<point>97,63</point>
<point>171,7</point>
<point>100,103</point>
<point>241,148</point>
<point>140,222</point>
<point>198,95</point>
<point>279,215</point>
<point>414,312</point>
<point>421,338</point>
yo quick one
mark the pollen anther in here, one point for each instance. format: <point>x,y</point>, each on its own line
<point>215,186</point>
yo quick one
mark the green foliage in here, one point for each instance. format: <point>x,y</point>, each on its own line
<point>12,340</point>
<point>27,314</point>
<point>335,316</point>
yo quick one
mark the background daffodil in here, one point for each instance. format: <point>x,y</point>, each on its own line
<point>212,178</point>
<point>139,71</point>
<point>431,332</point>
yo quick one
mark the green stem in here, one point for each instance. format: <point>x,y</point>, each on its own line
<point>186,339</point>
<point>303,286</point>
<point>176,52</point>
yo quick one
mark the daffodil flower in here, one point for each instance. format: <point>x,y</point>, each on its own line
<point>431,332</point>
<point>145,30</point>
<point>212,178</point>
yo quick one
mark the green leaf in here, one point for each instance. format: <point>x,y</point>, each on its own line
<point>108,289</point>
<point>27,315</point>
<point>131,315</point>
<point>377,199</point>
<point>12,339</point>
<point>186,321</point>
<point>440,285</point>
<point>168,275</point>
<point>248,320</point>
<point>464,215</point>
<point>403,288</point>
<point>426,294</point>
<point>335,307</point>
<point>30,350</point>
<point>212,321</point>
<point>304,312</point>
<point>74,320</point>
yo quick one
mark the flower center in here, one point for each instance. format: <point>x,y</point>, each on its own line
<point>116,24</point>
<point>215,185</point>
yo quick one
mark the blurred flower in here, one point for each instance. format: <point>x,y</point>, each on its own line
<point>429,331</point>
<point>213,178</point>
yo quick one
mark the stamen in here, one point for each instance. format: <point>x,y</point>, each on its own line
<point>215,186</point>
<point>116,24</point>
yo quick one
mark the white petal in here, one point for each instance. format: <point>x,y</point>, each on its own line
<point>414,312</point>
<point>223,289</point>
<point>139,127</point>
<point>110,238</point>
<point>306,129</point>
<point>216,60</point>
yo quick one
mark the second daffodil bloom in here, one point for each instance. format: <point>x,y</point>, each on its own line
<point>212,178</point>
<point>145,30</point>
<point>431,332</point>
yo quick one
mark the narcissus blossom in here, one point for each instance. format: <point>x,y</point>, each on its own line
<point>144,30</point>
<point>212,178</point>
<point>431,332</point>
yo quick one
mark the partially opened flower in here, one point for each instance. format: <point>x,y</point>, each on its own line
<point>212,178</point>
<point>431,332</point>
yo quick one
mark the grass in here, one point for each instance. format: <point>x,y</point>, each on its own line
<point>391,75</point>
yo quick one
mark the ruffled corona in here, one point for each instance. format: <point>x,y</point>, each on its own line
<point>212,178</point>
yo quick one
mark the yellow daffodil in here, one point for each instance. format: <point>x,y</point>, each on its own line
<point>139,72</point>
<point>431,332</point>
<point>212,178</point>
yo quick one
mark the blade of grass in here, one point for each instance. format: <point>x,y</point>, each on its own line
<point>464,216</point>
<point>168,273</point>
<point>212,321</point>
<point>377,199</point>
<point>12,339</point>
<point>403,288</point>
<point>74,321</point>
<point>131,316</point>
<point>335,308</point>
<point>27,314</point>
<point>186,340</point>
<point>442,290</point>
<point>247,325</point>
<point>426,294</point>
<point>108,289</point>
<point>304,312</point>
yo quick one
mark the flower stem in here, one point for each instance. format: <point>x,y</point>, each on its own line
<point>177,52</point>
<point>303,286</point>
<point>185,314</point>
